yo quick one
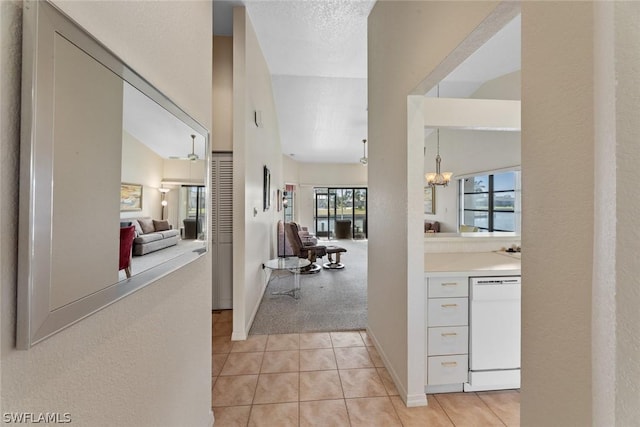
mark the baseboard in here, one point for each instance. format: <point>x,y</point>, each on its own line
<point>238,336</point>
<point>493,380</point>
<point>243,335</point>
<point>446,388</point>
<point>414,400</point>
<point>409,400</point>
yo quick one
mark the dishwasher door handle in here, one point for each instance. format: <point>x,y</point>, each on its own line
<point>499,281</point>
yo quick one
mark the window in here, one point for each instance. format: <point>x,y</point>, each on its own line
<point>491,202</point>
<point>348,206</point>
<point>289,195</point>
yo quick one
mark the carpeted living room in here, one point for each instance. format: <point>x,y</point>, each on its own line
<point>329,300</point>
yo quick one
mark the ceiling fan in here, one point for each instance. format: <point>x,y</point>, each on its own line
<point>191,156</point>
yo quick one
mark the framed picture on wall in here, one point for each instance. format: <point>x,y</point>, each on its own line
<point>266,188</point>
<point>130,197</point>
<point>429,200</point>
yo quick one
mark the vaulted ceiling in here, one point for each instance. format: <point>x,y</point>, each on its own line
<point>316,52</point>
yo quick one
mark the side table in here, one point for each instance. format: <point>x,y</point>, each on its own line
<point>292,264</point>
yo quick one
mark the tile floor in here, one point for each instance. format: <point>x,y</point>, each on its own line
<point>329,379</point>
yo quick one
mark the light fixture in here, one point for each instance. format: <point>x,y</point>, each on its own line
<point>193,156</point>
<point>364,159</point>
<point>438,178</point>
<point>285,202</point>
<point>163,192</point>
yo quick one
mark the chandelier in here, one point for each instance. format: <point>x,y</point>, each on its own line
<point>438,178</point>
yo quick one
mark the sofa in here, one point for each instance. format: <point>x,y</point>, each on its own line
<point>431,227</point>
<point>151,235</point>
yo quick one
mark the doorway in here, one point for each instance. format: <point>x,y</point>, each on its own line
<point>341,213</point>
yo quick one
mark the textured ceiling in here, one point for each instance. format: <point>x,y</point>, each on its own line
<point>317,55</point>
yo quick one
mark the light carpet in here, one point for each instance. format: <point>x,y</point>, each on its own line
<point>331,300</point>
<point>152,259</point>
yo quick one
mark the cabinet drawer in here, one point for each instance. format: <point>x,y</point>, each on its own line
<point>448,312</point>
<point>447,369</point>
<point>448,340</point>
<point>447,287</point>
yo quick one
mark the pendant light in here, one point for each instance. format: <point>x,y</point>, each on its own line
<point>363,159</point>
<point>438,178</point>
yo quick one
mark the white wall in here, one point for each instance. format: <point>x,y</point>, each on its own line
<point>145,360</point>
<point>290,170</point>
<point>468,151</point>
<point>396,170</point>
<point>627,60</point>
<point>184,171</point>
<point>558,187</point>
<point>254,239</point>
<point>465,152</point>
<point>222,132</point>
<point>140,165</point>
<point>504,87</point>
<point>312,175</point>
<point>583,127</point>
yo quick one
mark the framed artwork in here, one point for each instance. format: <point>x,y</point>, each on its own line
<point>429,200</point>
<point>130,197</point>
<point>266,188</point>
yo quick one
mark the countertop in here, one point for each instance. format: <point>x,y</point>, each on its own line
<point>472,263</point>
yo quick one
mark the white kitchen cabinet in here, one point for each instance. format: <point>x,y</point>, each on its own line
<point>447,333</point>
<point>448,287</point>
<point>452,369</point>
<point>449,323</point>
<point>448,312</point>
<point>447,340</point>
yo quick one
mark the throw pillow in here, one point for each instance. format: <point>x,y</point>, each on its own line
<point>136,224</point>
<point>147,225</point>
<point>161,225</point>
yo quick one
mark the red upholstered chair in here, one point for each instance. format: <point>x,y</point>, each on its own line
<point>127,234</point>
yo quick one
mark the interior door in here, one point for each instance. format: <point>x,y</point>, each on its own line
<point>222,230</point>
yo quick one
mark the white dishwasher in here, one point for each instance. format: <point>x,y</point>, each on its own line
<point>494,333</point>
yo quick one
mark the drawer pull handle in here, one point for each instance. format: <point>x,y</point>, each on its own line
<point>449,334</point>
<point>450,284</point>
<point>448,305</point>
<point>449,364</point>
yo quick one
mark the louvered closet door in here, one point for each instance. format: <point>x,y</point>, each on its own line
<point>222,229</point>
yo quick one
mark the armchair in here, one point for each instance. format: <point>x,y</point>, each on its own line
<point>127,234</point>
<point>301,249</point>
<point>306,237</point>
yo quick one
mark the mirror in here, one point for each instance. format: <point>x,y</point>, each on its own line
<point>113,179</point>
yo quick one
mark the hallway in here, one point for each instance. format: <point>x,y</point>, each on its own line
<point>329,379</point>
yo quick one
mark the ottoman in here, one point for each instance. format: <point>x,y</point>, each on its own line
<point>334,265</point>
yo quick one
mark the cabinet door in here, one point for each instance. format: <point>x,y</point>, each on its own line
<point>448,312</point>
<point>448,340</point>
<point>448,287</point>
<point>447,369</point>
